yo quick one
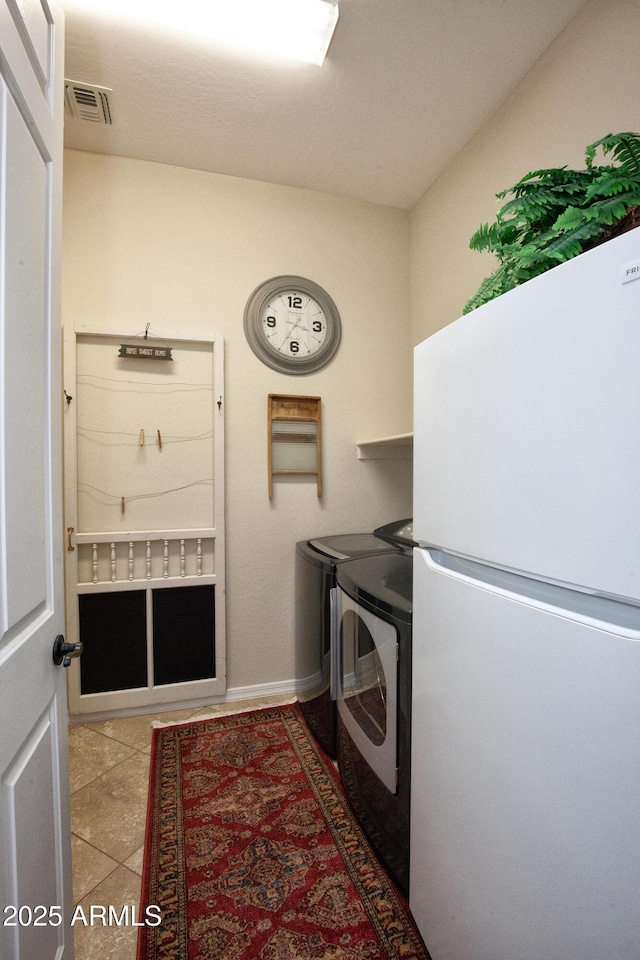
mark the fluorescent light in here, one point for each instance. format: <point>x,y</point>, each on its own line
<point>297,29</point>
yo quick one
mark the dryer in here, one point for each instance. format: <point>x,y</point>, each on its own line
<point>373,670</point>
<point>399,533</point>
<point>316,564</point>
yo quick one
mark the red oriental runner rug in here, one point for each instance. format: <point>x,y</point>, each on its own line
<point>252,852</point>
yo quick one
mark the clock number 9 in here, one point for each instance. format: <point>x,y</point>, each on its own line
<point>294,346</point>
<point>271,321</point>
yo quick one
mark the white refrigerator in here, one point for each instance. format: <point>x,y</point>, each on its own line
<point>525,799</point>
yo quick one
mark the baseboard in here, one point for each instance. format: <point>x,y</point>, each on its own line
<point>254,692</point>
<point>277,689</point>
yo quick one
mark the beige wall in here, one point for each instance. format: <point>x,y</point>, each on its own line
<point>585,86</point>
<point>183,250</point>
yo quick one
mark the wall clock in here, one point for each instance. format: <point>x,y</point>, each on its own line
<point>292,325</point>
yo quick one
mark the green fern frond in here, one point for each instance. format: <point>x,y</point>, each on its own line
<point>611,209</point>
<point>565,248</point>
<point>531,262</point>
<point>569,219</point>
<point>628,153</point>
<point>482,238</point>
<point>625,148</point>
<point>540,203</point>
<point>529,206</point>
<point>604,212</point>
<point>610,184</point>
<point>572,242</point>
<point>570,188</point>
<point>490,288</point>
<point>536,178</point>
<point>590,154</point>
<point>494,237</point>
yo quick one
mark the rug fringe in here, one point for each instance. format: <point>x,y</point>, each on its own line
<point>197,717</point>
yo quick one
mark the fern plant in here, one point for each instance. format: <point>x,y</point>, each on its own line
<point>553,215</point>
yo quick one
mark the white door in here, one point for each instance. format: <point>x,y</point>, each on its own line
<point>35,865</point>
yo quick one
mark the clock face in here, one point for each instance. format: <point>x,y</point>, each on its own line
<point>292,325</point>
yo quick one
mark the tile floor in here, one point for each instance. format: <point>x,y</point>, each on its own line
<point>109,771</point>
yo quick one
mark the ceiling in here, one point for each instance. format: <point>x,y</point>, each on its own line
<point>405,85</point>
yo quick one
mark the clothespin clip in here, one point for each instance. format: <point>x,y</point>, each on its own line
<point>142,438</point>
<point>159,440</point>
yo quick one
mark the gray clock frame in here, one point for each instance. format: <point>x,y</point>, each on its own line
<point>295,366</point>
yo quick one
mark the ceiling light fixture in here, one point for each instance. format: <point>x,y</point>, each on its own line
<point>297,29</point>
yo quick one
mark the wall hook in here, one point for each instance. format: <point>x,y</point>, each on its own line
<point>67,397</point>
<point>220,403</point>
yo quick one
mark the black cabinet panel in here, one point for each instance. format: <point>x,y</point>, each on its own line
<point>183,634</point>
<point>113,629</point>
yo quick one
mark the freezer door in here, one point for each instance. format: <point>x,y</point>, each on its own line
<point>526,437</point>
<point>525,820</point>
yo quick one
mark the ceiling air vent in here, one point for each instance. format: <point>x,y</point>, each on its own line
<point>86,101</point>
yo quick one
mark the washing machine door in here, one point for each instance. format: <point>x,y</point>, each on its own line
<point>367,664</point>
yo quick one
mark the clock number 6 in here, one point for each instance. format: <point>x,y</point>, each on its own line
<point>294,346</point>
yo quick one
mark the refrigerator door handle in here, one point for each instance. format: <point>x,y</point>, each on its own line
<point>604,613</point>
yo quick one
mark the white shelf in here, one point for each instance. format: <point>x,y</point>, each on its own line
<point>399,447</point>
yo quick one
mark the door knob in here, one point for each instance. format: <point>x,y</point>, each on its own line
<point>64,652</point>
